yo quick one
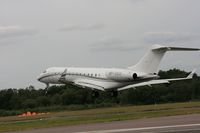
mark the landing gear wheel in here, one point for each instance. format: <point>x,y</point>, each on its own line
<point>114,93</point>
<point>95,94</point>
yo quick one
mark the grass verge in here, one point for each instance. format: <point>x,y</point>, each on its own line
<point>66,118</point>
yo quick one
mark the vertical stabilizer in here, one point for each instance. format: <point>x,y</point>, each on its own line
<point>151,60</point>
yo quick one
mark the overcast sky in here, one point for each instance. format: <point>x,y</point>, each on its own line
<point>37,34</point>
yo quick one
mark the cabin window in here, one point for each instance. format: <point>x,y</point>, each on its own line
<point>91,74</point>
<point>95,75</point>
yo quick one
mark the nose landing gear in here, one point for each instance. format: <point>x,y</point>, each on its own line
<point>46,88</point>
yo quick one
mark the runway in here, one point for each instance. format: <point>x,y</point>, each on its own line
<point>171,124</point>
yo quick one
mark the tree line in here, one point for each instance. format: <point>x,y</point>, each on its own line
<point>14,101</point>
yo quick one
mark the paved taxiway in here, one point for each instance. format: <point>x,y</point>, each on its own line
<point>172,124</point>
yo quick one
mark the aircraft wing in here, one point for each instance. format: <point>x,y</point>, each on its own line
<point>159,81</point>
<point>86,83</point>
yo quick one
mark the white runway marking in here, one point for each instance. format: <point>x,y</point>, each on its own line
<point>180,130</point>
<point>138,129</point>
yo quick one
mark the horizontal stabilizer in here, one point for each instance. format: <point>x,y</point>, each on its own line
<point>166,48</point>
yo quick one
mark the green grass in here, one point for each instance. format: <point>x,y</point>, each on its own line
<point>13,123</point>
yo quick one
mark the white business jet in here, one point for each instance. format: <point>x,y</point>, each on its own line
<point>142,74</point>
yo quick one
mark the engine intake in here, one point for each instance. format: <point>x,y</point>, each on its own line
<point>135,76</point>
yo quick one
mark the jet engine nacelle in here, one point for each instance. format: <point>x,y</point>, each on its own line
<point>122,76</point>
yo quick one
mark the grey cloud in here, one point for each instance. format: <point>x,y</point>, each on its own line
<point>168,37</point>
<point>122,22</point>
<point>7,32</point>
<point>82,28</point>
<point>114,45</point>
<point>135,1</point>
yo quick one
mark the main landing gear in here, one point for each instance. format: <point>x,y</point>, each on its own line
<point>95,93</point>
<point>114,93</point>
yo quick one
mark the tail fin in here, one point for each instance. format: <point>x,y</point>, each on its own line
<point>150,62</point>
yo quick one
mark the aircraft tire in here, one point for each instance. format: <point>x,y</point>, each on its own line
<point>95,94</point>
<point>114,93</point>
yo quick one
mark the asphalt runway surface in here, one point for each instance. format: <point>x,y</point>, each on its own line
<point>171,124</point>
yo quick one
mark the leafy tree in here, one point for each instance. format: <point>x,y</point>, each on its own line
<point>43,101</point>
<point>29,103</point>
<point>73,96</point>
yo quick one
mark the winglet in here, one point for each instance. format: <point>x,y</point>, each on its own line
<point>190,76</point>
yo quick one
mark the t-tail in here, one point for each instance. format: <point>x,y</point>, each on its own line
<point>151,60</point>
